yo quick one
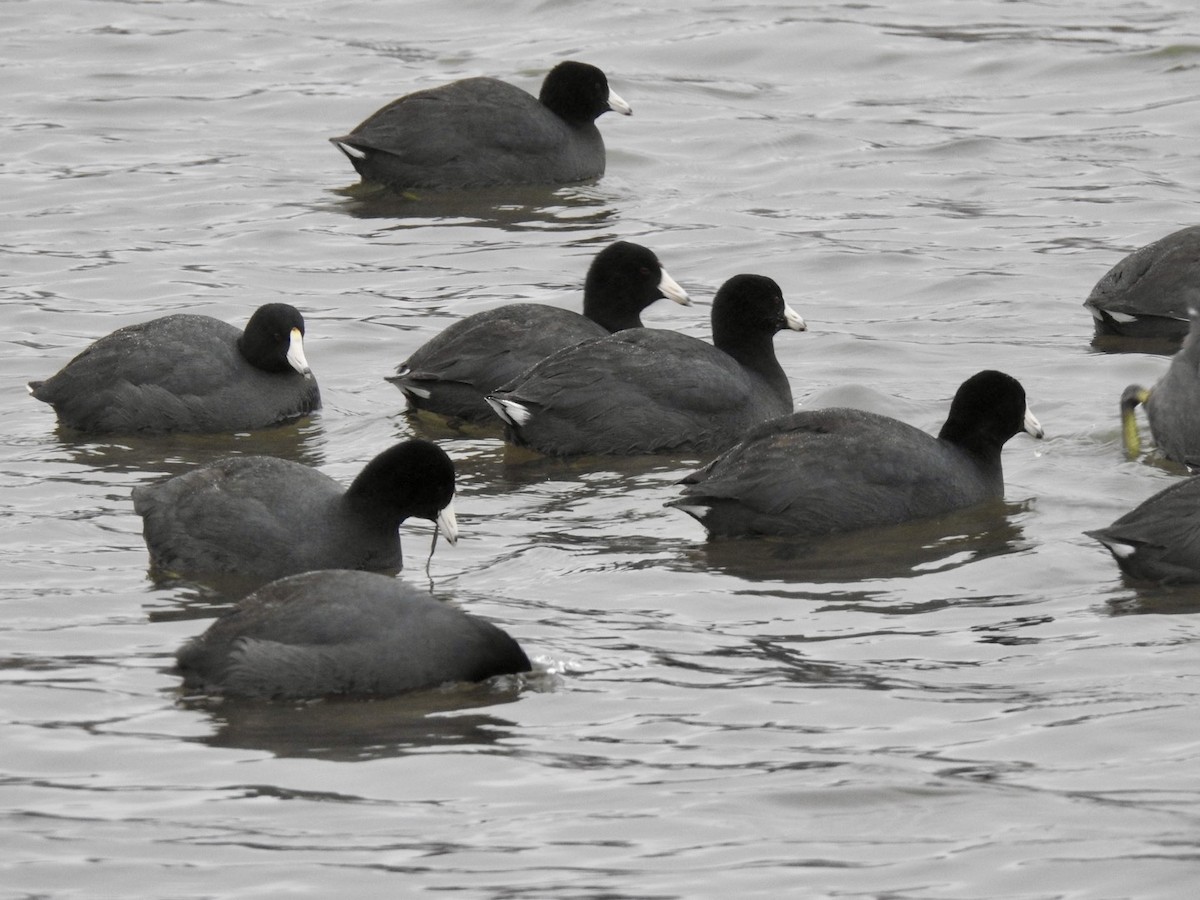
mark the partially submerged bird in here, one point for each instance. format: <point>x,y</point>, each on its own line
<point>268,517</point>
<point>1159,540</point>
<point>646,390</point>
<point>187,373</point>
<point>1148,293</point>
<point>817,472</point>
<point>453,372</point>
<point>343,633</point>
<point>480,131</point>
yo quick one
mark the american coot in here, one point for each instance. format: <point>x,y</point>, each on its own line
<point>829,470</point>
<point>452,373</point>
<point>268,517</point>
<point>650,391</point>
<point>1160,539</point>
<point>1148,293</point>
<point>187,373</point>
<point>342,632</point>
<point>1172,405</point>
<point>480,131</point>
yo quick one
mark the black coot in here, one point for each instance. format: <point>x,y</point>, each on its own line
<point>1148,293</point>
<point>343,633</point>
<point>187,373</point>
<point>831,470</point>
<point>646,390</point>
<point>268,517</point>
<point>479,131</point>
<point>453,372</point>
<point>1159,540</point>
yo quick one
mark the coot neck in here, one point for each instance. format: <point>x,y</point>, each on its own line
<point>980,444</point>
<point>756,353</point>
<point>368,506</point>
<point>263,355</point>
<point>609,317</point>
<point>570,110</point>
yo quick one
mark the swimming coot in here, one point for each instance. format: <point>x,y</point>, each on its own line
<point>646,390</point>
<point>187,373</point>
<point>268,517</point>
<point>452,373</point>
<point>481,131</point>
<point>1159,540</point>
<point>821,471</point>
<point>343,633</point>
<point>1148,293</point>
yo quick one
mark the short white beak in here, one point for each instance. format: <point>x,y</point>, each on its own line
<point>672,291</point>
<point>1032,426</point>
<point>794,320</point>
<point>447,524</point>
<point>295,353</point>
<point>616,104</point>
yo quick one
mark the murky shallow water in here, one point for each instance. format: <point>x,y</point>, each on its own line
<point>981,709</point>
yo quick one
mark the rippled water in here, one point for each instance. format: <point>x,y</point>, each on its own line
<point>981,708</point>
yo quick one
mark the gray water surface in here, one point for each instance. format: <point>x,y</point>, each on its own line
<point>975,708</point>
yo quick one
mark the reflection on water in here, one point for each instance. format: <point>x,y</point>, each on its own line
<point>491,466</point>
<point>1010,633</point>
<point>1158,599</point>
<point>1119,343</point>
<point>901,551</point>
<point>774,659</point>
<point>419,544</point>
<point>301,442</point>
<point>434,427</point>
<point>189,600</point>
<point>357,730</point>
<point>509,209</point>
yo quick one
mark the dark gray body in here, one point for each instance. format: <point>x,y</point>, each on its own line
<point>644,390</point>
<point>473,133</point>
<point>343,633</point>
<point>1159,540</point>
<point>1148,293</point>
<point>476,355</point>
<point>1173,404</point>
<point>260,516</point>
<point>832,470</point>
<point>179,373</point>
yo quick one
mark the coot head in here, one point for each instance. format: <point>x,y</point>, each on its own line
<point>579,93</point>
<point>412,479</point>
<point>623,279</point>
<point>274,339</point>
<point>988,409</point>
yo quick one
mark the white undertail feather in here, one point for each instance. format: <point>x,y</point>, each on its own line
<point>694,510</point>
<point>351,151</point>
<point>402,374</point>
<point>510,411</point>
